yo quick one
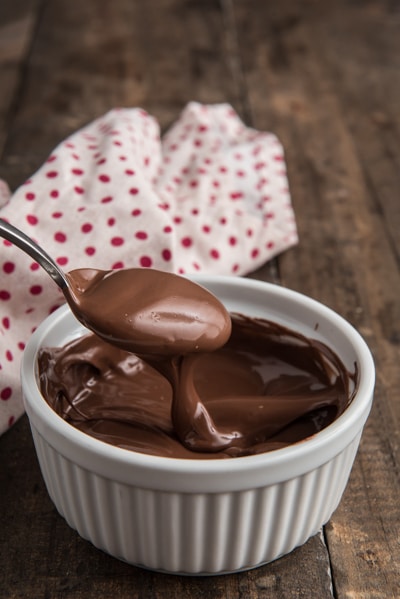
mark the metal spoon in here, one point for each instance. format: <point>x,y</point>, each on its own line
<point>34,250</point>
<point>194,419</point>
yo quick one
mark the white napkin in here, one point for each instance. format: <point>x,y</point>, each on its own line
<point>211,196</point>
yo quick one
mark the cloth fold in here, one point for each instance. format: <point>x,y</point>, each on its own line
<point>211,196</point>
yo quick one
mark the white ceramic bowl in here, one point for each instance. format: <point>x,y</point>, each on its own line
<point>203,516</point>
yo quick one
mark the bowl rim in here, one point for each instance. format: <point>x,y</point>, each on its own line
<point>191,475</point>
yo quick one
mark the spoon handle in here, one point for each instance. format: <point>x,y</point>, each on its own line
<point>27,244</point>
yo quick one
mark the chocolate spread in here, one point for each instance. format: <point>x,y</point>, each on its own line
<point>196,382</point>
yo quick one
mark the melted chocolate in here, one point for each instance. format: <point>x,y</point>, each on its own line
<point>148,312</point>
<point>266,388</point>
<point>161,317</point>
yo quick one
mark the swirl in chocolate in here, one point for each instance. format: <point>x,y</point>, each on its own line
<point>268,386</point>
<point>160,317</point>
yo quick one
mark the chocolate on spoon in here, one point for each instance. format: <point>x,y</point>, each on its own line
<point>159,316</point>
<point>139,310</point>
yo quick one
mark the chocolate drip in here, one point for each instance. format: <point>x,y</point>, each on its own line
<point>265,388</point>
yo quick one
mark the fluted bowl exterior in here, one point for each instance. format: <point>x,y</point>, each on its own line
<point>202,517</point>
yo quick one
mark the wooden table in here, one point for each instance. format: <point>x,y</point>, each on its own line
<point>325,77</point>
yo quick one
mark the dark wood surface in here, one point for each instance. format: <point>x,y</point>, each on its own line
<point>325,77</point>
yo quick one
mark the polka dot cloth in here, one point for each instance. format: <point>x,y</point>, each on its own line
<point>211,196</point>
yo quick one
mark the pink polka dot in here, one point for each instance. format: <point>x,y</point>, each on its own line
<point>104,178</point>
<point>79,190</point>
<point>249,232</point>
<point>166,254</point>
<point>194,183</point>
<point>77,171</point>
<point>51,158</point>
<point>223,221</point>
<point>167,229</point>
<point>145,261</point>
<point>177,219</point>
<point>116,241</point>
<point>236,195</point>
<point>54,308</point>
<point>133,191</point>
<point>54,193</point>
<point>235,267</point>
<point>129,172</point>
<point>136,212</point>
<point>4,295</point>
<point>111,222</point>
<point>255,252</point>
<point>269,245</point>
<point>8,267</point>
<point>90,250</point>
<point>51,174</point>
<point>101,161</point>
<point>107,199</point>
<point>9,356</point>
<point>117,265</point>
<point>206,229</point>
<point>60,237</point>
<point>6,322</point>
<point>187,242</point>
<point>21,345</point>
<point>232,240</point>
<point>57,214</point>
<point>214,254</point>
<point>11,421</point>
<point>32,219</point>
<point>30,196</point>
<point>141,235</point>
<point>34,266</point>
<point>36,289</point>
<point>5,393</point>
<point>62,260</point>
<point>86,228</point>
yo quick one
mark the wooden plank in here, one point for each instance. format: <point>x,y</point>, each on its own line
<point>316,88</point>
<point>17,25</point>
<point>324,77</point>
<point>42,557</point>
<point>159,55</point>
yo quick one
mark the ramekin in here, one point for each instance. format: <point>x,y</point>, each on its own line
<point>203,517</point>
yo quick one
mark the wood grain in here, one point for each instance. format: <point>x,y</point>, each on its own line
<point>325,77</point>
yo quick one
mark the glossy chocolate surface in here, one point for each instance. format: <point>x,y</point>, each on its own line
<point>267,387</point>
